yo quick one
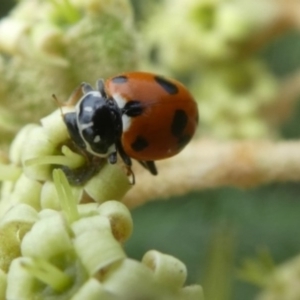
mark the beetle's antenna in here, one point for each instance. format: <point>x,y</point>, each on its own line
<point>101,87</point>
<point>58,103</point>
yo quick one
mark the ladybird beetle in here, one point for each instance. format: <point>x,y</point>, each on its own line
<point>137,115</point>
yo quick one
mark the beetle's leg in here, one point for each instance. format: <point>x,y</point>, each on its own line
<point>127,161</point>
<point>112,158</point>
<point>149,165</point>
<point>75,96</point>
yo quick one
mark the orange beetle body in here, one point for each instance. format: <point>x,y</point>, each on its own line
<point>136,115</point>
<point>168,114</point>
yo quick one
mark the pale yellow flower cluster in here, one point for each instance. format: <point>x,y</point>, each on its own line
<point>77,253</point>
<point>208,43</point>
<point>232,100</point>
<point>55,238</point>
<point>36,150</point>
<point>198,32</point>
<point>50,47</point>
<point>61,234</point>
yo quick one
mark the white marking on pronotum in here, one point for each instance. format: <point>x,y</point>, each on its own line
<point>97,139</point>
<point>111,149</point>
<point>120,100</point>
<point>126,122</point>
<point>88,108</point>
<point>85,126</point>
<point>94,93</point>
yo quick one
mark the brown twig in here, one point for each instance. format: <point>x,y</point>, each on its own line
<point>211,164</point>
<point>290,11</point>
<point>286,17</point>
<point>284,105</point>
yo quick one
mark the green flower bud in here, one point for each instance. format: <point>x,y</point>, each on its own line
<point>36,244</point>
<point>13,226</point>
<point>27,191</point>
<point>119,217</point>
<point>25,287</point>
<point>167,269</point>
<point>103,242</point>
<point>110,183</point>
<point>93,290</point>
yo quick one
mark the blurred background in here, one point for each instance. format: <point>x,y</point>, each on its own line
<point>241,60</point>
<point>245,79</point>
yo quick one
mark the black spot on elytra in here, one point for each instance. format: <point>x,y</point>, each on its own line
<point>168,86</point>
<point>120,79</point>
<point>183,140</point>
<point>139,144</point>
<point>133,108</point>
<point>179,122</point>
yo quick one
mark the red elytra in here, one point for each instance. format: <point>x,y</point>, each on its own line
<point>166,115</point>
